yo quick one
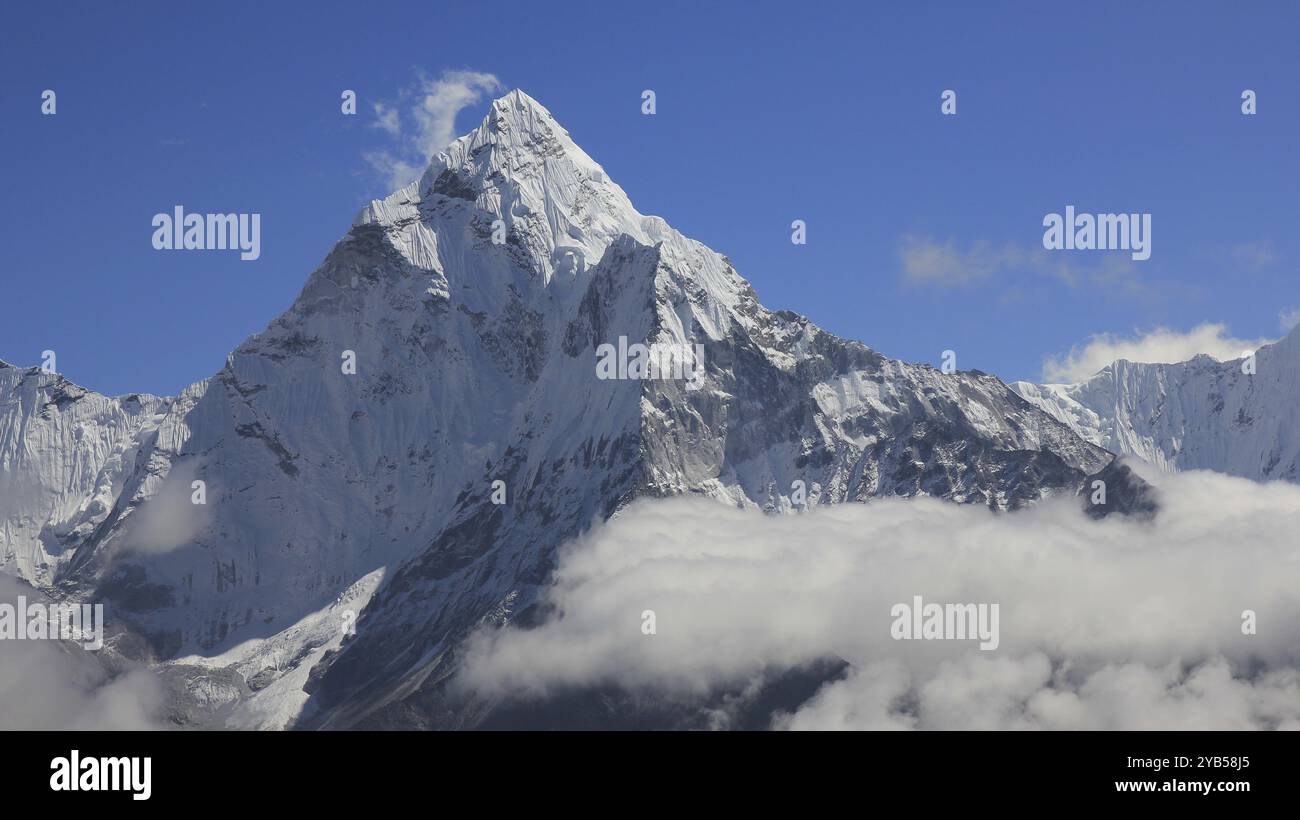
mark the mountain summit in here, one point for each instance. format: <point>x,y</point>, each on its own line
<point>407,445</point>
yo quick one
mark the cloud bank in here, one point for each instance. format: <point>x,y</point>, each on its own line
<point>1104,624</point>
<point>1161,345</point>
<point>422,121</point>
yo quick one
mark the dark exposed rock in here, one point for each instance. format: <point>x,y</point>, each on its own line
<point>1126,493</point>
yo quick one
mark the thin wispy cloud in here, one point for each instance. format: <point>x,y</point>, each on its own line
<point>929,262</point>
<point>1161,345</point>
<point>169,519</point>
<point>1254,254</point>
<point>422,121</point>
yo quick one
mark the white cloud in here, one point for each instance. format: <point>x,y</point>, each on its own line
<point>423,122</point>
<point>1160,345</point>
<point>1033,693</point>
<point>1288,319</point>
<point>1104,624</point>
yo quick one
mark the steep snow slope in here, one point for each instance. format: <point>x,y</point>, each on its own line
<point>65,455</point>
<point>475,362</point>
<point>1198,414</point>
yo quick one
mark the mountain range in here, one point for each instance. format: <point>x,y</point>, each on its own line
<point>306,538</point>
<point>1236,417</point>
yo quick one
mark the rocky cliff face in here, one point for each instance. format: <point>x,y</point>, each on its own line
<point>350,454</point>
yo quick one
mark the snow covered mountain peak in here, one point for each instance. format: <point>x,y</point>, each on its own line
<point>518,142</point>
<point>1198,414</point>
<point>519,190</point>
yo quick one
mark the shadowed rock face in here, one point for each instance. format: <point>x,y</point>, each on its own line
<point>476,363</point>
<point>1125,493</point>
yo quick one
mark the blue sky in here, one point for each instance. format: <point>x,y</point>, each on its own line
<point>921,228</point>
